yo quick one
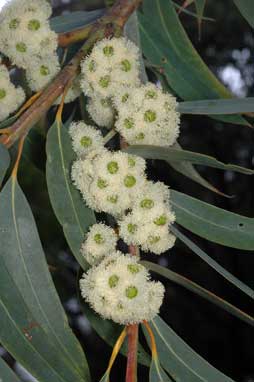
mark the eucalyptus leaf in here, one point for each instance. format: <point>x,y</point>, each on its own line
<point>215,106</point>
<point>213,223</point>
<point>7,122</point>
<point>4,161</point>
<point>157,374</point>
<point>247,10</point>
<point>22,254</point>
<point>68,205</point>
<point>217,267</point>
<point>171,154</point>
<point>74,20</point>
<point>167,46</point>
<point>200,291</point>
<point>179,360</point>
<point>6,374</point>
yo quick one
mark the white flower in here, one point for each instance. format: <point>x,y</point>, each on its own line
<point>110,180</point>
<point>25,33</point>
<point>146,115</point>
<point>85,138</point>
<point>119,288</point>
<point>112,63</point>
<point>148,224</point>
<point>10,97</point>
<point>101,111</point>
<point>40,72</point>
<point>100,241</point>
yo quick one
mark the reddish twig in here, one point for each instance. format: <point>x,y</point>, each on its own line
<point>131,370</point>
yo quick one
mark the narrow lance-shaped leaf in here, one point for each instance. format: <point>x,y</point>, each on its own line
<point>213,223</point>
<point>217,106</point>
<point>69,207</point>
<point>22,254</point>
<point>200,291</point>
<point>6,373</point>
<point>74,20</point>
<point>247,10</point>
<point>181,362</point>
<point>217,267</point>
<point>166,45</point>
<point>4,162</point>
<point>24,337</point>
<point>171,154</point>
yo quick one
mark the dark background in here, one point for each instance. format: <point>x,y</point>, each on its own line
<point>226,45</point>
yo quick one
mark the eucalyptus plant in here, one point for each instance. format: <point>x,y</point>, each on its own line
<point>111,213</point>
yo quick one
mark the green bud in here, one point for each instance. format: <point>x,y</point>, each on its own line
<point>2,93</point>
<point>140,136</point>
<point>131,162</point>
<point>132,228</point>
<point>154,239</point>
<point>105,102</point>
<point>128,123</point>
<point>98,238</point>
<point>131,292</point>
<point>86,141</point>
<point>125,97</point>
<point>162,220</point>
<point>150,116</point>
<point>44,70</point>
<point>91,66</point>
<point>113,281</point>
<point>34,25</point>
<point>133,268</point>
<point>104,81</point>
<point>112,199</point>
<point>108,51</point>
<point>151,94</point>
<point>102,183</point>
<point>147,203</point>
<point>112,167</point>
<point>21,47</point>
<point>129,181</point>
<point>14,23</point>
<point>126,65</point>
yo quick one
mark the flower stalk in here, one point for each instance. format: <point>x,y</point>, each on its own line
<point>131,369</point>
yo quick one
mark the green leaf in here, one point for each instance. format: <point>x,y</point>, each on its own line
<point>157,374</point>
<point>23,257</point>
<point>200,291</point>
<point>213,223</point>
<point>215,106</point>
<point>217,267</point>
<point>180,361</point>
<point>171,154</point>
<point>4,162</point>
<point>166,45</point>
<point>186,169</point>
<point>109,331</point>
<point>183,10</point>
<point>69,207</point>
<point>74,20</point>
<point>6,373</point>
<point>247,10</point>
<point>8,122</point>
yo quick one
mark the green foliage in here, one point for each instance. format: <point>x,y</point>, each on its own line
<point>213,223</point>
<point>4,162</point>
<point>74,20</point>
<point>179,360</point>
<point>35,328</point>
<point>167,46</point>
<point>6,373</point>
<point>66,201</point>
<point>247,10</point>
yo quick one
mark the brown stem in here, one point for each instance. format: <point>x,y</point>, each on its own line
<point>108,25</point>
<point>131,370</point>
<point>68,38</point>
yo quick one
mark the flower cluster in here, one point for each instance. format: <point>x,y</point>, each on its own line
<point>28,41</point>
<point>111,64</point>
<point>109,181</point>
<point>100,241</point>
<point>147,225</point>
<point>146,115</point>
<point>119,288</point>
<point>10,97</point>
<point>26,38</point>
<point>85,138</point>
